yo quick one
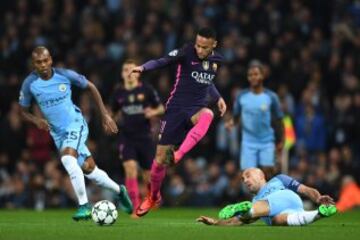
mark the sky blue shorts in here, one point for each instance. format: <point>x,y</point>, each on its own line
<point>257,155</point>
<point>282,201</point>
<point>74,136</point>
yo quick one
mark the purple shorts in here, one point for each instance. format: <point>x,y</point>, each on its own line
<point>175,124</point>
<point>140,150</point>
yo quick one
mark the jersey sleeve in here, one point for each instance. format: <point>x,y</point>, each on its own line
<point>173,56</point>
<point>74,77</point>
<point>275,106</point>
<point>237,105</point>
<point>114,104</point>
<point>289,182</point>
<point>25,96</point>
<point>153,96</point>
<point>214,93</point>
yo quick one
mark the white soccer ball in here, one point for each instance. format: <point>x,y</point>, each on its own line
<point>104,213</point>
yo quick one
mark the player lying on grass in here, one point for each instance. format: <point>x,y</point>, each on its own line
<point>276,202</point>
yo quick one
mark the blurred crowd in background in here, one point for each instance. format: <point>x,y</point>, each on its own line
<point>311,52</point>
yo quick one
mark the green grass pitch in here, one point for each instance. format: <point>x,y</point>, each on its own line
<point>165,223</point>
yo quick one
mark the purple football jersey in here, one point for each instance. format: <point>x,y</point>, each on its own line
<point>193,79</point>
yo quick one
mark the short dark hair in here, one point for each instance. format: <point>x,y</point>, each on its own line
<point>207,32</point>
<point>130,61</point>
<point>257,64</point>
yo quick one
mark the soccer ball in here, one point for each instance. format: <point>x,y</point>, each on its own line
<point>104,213</point>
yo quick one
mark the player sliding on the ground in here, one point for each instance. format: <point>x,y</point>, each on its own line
<point>51,89</point>
<point>276,202</point>
<point>186,112</point>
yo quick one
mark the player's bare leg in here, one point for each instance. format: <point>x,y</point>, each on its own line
<point>157,175</point>
<point>201,120</point>
<point>269,172</point>
<point>101,178</point>
<point>131,182</point>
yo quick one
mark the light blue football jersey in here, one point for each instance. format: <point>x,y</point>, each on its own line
<point>54,96</point>
<point>256,112</point>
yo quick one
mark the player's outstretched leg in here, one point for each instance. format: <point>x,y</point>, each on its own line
<point>102,179</point>
<point>204,119</point>
<point>230,211</point>
<point>306,217</point>
<point>83,212</point>
<point>153,198</point>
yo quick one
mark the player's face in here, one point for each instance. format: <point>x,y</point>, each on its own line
<point>42,63</point>
<point>255,77</point>
<point>204,46</point>
<point>251,181</point>
<point>126,69</point>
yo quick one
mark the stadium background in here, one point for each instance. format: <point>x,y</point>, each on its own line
<point>311,53</point>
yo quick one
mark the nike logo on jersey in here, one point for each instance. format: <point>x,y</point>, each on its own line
<point>194,63</point>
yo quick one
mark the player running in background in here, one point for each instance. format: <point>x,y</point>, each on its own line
<point>186,119</point>
<point>137,104</point>
<point>276,202</point>
<point>51,89</point>
<point>259,113</point>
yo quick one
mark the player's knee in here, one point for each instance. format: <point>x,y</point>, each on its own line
<point>130,169</point>
<point>208,112</point>
<point>161,157</point>
<point>88,166</point>
<point>69,151</point>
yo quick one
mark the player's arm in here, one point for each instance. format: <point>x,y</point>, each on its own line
<point>304,190</point>
<point>234,221</point>
<point>216,97</point>
<point>29,117</point>
<point>174,56</point>
<point>25,99</point>
<point>108,123</point>
<point>314,195</point>
<point>157,108</point>
<point>233,120</point>
<point>277,123</point>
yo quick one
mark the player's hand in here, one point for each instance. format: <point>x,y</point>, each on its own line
<point>149,112</point>
<point>207,220</point>
<point>229,124</point>
<point>137,69</point>
<point>109,124</point>
<point>325,199</point>
<point>42,124</point>
<point>222,106</point>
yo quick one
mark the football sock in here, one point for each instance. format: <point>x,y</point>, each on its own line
<point>133,190</point>
<point>301,218</point>
<point>76,177</point>
<point>157,175</point>
<point>102,179</point>
<point>194,135</point>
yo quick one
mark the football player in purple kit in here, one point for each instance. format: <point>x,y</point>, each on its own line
<point>186,119</point>
<point>137,104</point>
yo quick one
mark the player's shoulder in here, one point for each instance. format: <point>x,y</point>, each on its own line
<point>270,93</point>
<point>243,92</point>
<point>30,78</point>
<point>63,71</point>
<point>217,57</point>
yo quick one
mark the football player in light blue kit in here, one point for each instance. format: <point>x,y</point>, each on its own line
<point>258,110</point>
<point>276,202</point>
<point>51,89</point>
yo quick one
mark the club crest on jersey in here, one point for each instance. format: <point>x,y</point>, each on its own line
<point>131,98</point>
<point>264,107</point>
<point>205,65</point>
<point>214,67</point>
<point>140,97</point>
<point>62,87</point>
<point>173,53</point>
